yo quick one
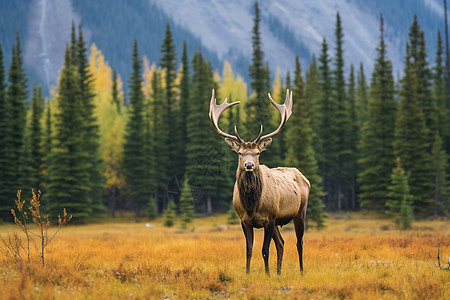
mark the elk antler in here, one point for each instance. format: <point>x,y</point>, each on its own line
<point>285,111</point>
<point>214,114</point>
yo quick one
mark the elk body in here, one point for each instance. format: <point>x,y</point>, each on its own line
<point>264,197</point>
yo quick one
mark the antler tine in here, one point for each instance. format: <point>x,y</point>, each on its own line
<point>237,135</point>
<point>259,135</point>
<point>285,112</point>
<point>288,103</point>
<point>214,114</point>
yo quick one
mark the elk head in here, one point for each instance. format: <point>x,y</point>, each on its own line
<point>249,151</point>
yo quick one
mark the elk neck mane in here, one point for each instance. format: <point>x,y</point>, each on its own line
<point>250,189</point>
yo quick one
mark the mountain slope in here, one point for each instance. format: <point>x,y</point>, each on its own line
<point>221,29</point>
<point>298,27</point>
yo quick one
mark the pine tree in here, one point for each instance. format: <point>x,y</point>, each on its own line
<point>185,87</point>
<point>424,76</point>
<point>205,151</point>
<point>134,154</point>
<point>328,106</point>
<point>35,138</point>
<point>73,44</point>
<point>341,125</point>
<point>406,214</point>
<point>398,191</point>
<point>150,164</point>
<point>6,162</point>
<point>17,95</point>
<point>353,141</point>
<point>312,100</point>
<point>441,203</point>
<point>2,105</point>
<point>288,83</point>
<point>412,142</point>
<point>168,64</point>
<point>26,172</point>
<point>68,164</point>
<point>257,107</point>
<point>399,198</point>
<point>160,143</point>
<point>440,92</point>
<point>169,214</point>
<point>47,150</point>
<point>300,153</point>
<point>186,206</point>
<point>376,146</point>
<point>312,96</point>
<point>91,127</point>
<point>198,152</point>
<point>13,122</point>
<point>362,97</point>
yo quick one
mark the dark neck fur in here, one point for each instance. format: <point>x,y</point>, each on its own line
<point>250,188</point>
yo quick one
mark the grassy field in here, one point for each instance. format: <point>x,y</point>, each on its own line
<point>353,258</point>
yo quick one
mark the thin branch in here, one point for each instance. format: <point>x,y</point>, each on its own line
<point>438,258</point>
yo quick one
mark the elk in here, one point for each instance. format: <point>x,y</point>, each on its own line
<point>264,197</point>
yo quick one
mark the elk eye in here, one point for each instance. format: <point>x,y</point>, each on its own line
<point>257,153</point>
<point>239,153</point>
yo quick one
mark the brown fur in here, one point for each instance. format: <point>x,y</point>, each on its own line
<point>284,195</point>
<point>250,189</point>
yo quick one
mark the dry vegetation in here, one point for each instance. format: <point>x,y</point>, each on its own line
<point>354,258</point>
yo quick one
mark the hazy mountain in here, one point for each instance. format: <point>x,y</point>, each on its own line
<point>221,29</point>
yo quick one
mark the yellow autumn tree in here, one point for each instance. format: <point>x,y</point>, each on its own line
<point>232,88</point>
<point>279,97</point>
<point>149,71</point>
<point>112,124</point>
<point>178,77</point>
<point>276,87</point>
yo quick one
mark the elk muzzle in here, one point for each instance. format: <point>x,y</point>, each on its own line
<point>249,166</point>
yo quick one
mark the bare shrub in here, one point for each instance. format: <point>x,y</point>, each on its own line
<point>13,247</point>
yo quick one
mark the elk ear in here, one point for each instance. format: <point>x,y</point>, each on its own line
<point>264,144</point>
<point>232,144</point>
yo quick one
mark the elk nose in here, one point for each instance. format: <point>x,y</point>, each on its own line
<point>249,166</point>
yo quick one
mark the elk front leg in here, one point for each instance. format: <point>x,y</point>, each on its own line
<point>279,243</point>
<point>268,233</point>
<point>248,233</point>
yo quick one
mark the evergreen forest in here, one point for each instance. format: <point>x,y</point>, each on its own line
<point>101,143</point>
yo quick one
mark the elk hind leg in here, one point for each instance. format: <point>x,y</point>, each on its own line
<point>279,243</point>
<point>299,224</point>
<point>248,233</point>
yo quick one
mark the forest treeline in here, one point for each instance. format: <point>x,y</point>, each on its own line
<point>372,144</point>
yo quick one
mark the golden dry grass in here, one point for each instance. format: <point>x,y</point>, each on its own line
<point>356,258</point>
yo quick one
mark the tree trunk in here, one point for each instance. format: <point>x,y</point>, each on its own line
<point>339,197</point>
<point>208,205</point>
<point>436,194</point>
<point>353,200</point>
<point>112,200</point>
<point>157,206</point>
<point>42,242</point>
<point>137,211</point>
